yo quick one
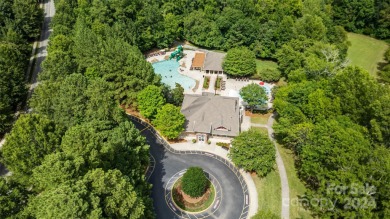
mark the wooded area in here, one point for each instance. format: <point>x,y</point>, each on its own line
<point>78,144</point>
<point>20,22</point>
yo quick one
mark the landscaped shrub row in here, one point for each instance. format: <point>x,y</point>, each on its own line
<point>224,145</point>
<point>218,83</point>
<point>206,82</point>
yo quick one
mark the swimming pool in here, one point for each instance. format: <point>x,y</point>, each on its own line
<point>267,89</point>
<point>169,71</point>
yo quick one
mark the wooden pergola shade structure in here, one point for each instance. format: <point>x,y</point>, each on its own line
<point>198,61</point>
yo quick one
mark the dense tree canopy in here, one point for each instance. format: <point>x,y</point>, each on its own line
<point>13,198</point>
<point>384,73</point>
<point>104,145</point>
<point>99,194</point>
<point>336,125</point>
<point>334,118</point>
<point>75,99</point>
<point>356,90</point>
<point>20,23</point>
<point>239,62</point>
<point>32,137</point>
<point>365,16</point>
<point>174,96</point>
<point>149,101</point>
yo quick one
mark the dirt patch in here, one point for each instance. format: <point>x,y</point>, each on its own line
<point>132,111</point>
<point>192,200</point>
<point>249,113</point>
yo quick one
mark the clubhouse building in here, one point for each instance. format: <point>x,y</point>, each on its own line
<point>211,115</point>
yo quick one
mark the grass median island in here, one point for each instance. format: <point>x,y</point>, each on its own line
<point>366,52</point>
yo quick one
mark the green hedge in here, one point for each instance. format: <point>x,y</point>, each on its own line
<point>218,83</point>
<point>206,82</point>
<point>224,145</point>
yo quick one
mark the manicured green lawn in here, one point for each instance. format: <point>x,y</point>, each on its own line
<point>295,184</point>
<point>259,118</point>
<point>261,129</point>
<point>264,64</point>
<point>268,187</point>
<point>366,52</point>
<point>269,192</point>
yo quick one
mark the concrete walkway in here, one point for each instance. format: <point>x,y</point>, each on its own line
<point>213,78</point>
<point>285,214</point>
<point>2,141</point>
<point>217,150</point>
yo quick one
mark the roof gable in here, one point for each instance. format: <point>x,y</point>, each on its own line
<point>211,114</point>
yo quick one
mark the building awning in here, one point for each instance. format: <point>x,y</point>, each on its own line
<point>198,60</point>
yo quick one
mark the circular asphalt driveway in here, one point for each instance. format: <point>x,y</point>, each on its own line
<point>233,202</point>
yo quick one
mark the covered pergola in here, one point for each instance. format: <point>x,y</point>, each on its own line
<point>198,61</point>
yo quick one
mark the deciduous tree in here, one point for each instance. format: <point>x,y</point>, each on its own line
<point>239,62</point>
<point>253,151</point>
<point>149,101</point>
<point>103,144</point>
<point>170,121</point>
<point>254,95</point>
<point>13,197</point>
<point>32,137</point>
<point>99,194</point>
<point>194,182</point>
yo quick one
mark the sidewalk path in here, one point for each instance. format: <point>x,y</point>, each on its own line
<point>235,199</point>
<point>285,214</point>
<point>2,141</point>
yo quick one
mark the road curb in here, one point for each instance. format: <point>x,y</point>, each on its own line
<point>242,179</point>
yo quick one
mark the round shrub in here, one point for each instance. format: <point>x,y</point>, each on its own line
<point>194,182</point>
<point>270,75</point>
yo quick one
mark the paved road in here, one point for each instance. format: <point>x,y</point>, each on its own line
<point>41,46</point>
<point>49,11</point>
<point>285,214</point>
<point>234,200</point>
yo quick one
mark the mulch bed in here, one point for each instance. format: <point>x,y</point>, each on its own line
<point>187,201</point>
<point>176,141</point>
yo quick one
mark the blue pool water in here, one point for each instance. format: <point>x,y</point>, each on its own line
<point>267,89</point>
<point>169,71</point>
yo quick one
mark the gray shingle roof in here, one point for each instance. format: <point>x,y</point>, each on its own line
<point>214,61</point>
<point>211,114</point>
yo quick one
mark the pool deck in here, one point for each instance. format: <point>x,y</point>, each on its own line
<point>185,64</point>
